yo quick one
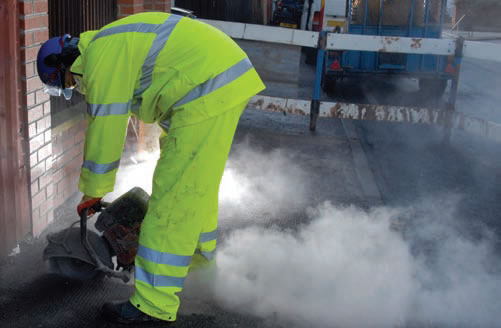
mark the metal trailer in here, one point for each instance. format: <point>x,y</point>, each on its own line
<point>424,19</point>
<point>454,50</point>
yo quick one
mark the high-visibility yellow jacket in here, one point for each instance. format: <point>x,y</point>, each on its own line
<point>157,67</point>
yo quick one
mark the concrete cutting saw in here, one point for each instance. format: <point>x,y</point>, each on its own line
<point>83,254</point>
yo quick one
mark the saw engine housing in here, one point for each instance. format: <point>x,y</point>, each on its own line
<point>82,254</point>
<point>120,224</point>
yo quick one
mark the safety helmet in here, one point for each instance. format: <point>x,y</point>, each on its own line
<point>54,57</point>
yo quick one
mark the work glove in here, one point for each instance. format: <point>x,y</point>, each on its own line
<point>88,202</point>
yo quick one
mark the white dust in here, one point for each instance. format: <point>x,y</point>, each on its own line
<point>345,267</point>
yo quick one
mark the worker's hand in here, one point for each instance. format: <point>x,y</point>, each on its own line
<point>88,202</point>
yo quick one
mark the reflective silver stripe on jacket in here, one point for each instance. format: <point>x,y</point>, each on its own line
<point>137,27</point>
<point>108,109</point>
<point>162,257</point>
<point>226,77</point>
<point>158,280</point>
<point>208,236</point>
<point>100,168</point>
<point>163,33</point>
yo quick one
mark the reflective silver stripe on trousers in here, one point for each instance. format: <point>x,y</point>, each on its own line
<point>108,109</point>
<point>163,258</point>
<point>137,27</point>
<point>100,168</point>
<point>226,77</point>
<point>208,236</point>
<point>163,33</point>
<point>158,280</point>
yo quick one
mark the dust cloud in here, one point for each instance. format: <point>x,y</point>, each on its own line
<point>344,266</point>
<point>137,172</point>
<point>257,181</point>
<point>350,268</point>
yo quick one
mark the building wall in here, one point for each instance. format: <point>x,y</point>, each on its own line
<point>34,22</point>
<point>15,218</point>
<point>55,155</point>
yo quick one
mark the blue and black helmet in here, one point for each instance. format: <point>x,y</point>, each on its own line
<point>56,56</point>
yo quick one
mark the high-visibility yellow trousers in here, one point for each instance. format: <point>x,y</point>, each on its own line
<point>180,227</point>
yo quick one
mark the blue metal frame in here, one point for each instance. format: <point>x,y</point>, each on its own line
<point>362,62</point>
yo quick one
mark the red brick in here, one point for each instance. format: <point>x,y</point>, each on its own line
<point>35,113</point>
<point>34,187</point>
<point>45,152</point>
<point>148,7</point>
<point>61,185</point>
<point>43,124</point>
<point>27,38</point>
<point>58,176</point>
<point>38,199</point>
<point>50,190</point>
<point>58,200</point>
<point>26,7</point>
<point>57,148</point>
<point>29,70</point>
<point>49,162</point>
<point>67,144</point>
<point>30,55</point>
<point>50,215</point>
<point>33,84</point>
<point>161,5</point>
<point>32,130</point>
<point>44,21</point>
<point>39,225</point>
<point>37,171</point>
<point>35,214</point>
<point>45,179</point>
<point>41,97</point>
<point>33,159</point>
<point>80,136</point>
<point>36,143</point>
<point>129,10</point>
<point>41,35</point>
<point>30,100</point>
<point>48,135</point>
<point>47,205</point>
<point>64,159</point>
<point>75,164</point>
<point>46,108</point>
<point>41,6</point>
<point>31,22</point>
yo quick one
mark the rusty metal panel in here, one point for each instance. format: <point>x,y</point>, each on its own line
<point>417,115</point>
<point>15,216</point>
<point>393,44</point>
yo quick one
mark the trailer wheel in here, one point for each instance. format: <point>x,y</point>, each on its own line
<point>432,87</point>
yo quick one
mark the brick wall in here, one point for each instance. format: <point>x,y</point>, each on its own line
<point>67,140</point>
<point>55,154</point>
<point>34,31</point>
